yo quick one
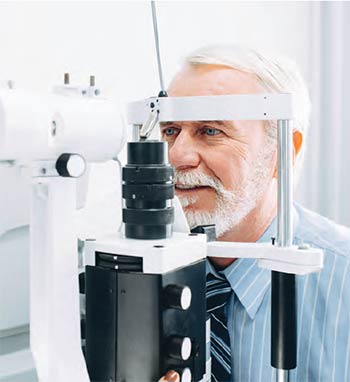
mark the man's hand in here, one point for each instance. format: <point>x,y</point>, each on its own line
<point>170,376</point>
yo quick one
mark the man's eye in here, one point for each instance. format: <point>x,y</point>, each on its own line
<point>169,131</point>
<point>211,131</point>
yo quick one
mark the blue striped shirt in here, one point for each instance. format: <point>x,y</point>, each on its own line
<point>323,308</point>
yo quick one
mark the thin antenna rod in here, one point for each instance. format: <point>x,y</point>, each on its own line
<point>156,39</point>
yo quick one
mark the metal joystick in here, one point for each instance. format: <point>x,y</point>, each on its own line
<point>178,297</point>
<point>70,165</point>
<point>179,347</point>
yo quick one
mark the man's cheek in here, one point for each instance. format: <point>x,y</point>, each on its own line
<point>228,169</point>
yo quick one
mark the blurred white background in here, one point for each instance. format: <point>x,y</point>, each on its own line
<point>39,41</point>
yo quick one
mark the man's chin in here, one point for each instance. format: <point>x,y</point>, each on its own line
<point>197,216</point>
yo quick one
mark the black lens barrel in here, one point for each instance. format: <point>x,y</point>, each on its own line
<point>148,185</point>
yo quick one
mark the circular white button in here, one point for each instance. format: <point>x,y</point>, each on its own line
<point>177,296</point>
<point>186,348</point>
<point>186,375</point>
<point>76,165</point>
<point>186,297</point>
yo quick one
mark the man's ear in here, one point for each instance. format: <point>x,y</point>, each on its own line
<point>297,145</point>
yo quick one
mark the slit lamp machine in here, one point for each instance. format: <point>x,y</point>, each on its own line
<point>144,287</point>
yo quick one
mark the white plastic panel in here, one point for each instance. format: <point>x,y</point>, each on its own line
<point>292,259</point>
<point>213,108</point>
<point>159,256</point>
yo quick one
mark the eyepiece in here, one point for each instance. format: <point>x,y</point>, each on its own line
<point>148,188</point>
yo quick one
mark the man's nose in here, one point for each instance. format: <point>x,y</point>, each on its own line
<point>183,153</point>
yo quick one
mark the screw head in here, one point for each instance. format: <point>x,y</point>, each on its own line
<point>53,128</point>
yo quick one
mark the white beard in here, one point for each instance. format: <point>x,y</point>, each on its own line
<point>231,206</point>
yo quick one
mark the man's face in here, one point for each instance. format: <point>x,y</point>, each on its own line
<point>222,167</point>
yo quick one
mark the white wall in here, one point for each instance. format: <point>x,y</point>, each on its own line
<point>114,40</point>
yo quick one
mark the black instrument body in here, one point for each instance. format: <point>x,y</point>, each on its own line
<point>130,325</point>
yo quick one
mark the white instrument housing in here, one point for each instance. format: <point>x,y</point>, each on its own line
<point>36,126</point>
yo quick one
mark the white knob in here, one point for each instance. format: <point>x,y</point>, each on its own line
<point>178,297</point>
<point>186,349</point>
<point>70,165</point>
<point>180,347</point>
<point>186,375</point>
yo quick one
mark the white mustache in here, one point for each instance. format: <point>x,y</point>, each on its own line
<point>197,179</point>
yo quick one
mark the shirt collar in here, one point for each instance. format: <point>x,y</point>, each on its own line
<point>249,282</point>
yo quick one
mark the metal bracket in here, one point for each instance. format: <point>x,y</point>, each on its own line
<point>151,121</point>
<point>268,106</point>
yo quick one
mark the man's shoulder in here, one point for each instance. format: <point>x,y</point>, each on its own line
<point>321,232</point>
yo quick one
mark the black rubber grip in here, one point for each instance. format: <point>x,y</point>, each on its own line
<point>148,216</point>
<point>283,321</point>
<point>147,174</point>
<point>148,191</point>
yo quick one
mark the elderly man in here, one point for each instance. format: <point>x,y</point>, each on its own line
<point>226,174</point>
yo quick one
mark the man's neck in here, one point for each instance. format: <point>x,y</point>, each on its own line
<point>252,227</point>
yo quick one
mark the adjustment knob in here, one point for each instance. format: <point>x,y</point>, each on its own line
<point>186,375</point>
<point>179,347</point>
<point>178,297</point>
<point>70,165</point>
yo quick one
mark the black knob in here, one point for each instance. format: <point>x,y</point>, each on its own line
<point>179,347</point>
<point>178,297</point>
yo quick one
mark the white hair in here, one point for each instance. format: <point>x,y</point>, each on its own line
<point>276,75</point>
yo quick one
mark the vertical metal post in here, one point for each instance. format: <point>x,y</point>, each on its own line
<point>285,184</point>
<point>156,40</point>
<point>136,132</point>
<point>282,375</point>
<point>283,302</point>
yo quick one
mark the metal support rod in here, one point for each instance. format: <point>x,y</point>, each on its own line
<point>136,132</point>
<point>285,184</point>
<point>283,303</point>
<point>156,40</point>
<point>282,375</point>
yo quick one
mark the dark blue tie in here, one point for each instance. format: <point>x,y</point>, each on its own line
<point>218,293</point>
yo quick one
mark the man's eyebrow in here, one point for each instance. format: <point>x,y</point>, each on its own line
<point>228,124</point>
<point>167,123</point>
<point>220,123</point>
